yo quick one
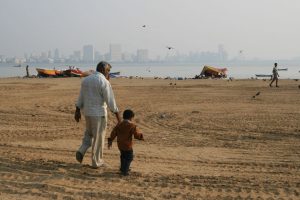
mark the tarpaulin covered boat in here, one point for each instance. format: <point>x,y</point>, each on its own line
<point>213,72</point>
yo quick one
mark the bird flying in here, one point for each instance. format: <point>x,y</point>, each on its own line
<point>168,47</point>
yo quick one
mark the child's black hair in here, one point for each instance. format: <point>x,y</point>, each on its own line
<point>128,114</point>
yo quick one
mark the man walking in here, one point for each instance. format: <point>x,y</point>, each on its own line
<point>275,75</point>
<point>95,95</point>
<point>27,71</point>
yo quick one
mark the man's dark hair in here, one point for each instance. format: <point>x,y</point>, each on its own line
<point>275,64</point>
<point>128,114</point>
<point>102,65</point>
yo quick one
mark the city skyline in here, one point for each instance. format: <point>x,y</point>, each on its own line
<point>264,29</point>
<point>89,54</point>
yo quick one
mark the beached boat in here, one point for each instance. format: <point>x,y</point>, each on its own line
<point>46,72</point>
<point>263,75</point>
<point>72,72</point>
<point>114,73</point>
<point>87,73</point>
<point>59,73</point>
<point>213,72</point>
<point>17,65</point>
<point>283,69</point>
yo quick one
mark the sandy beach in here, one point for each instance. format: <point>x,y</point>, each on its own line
<point>204,139</point>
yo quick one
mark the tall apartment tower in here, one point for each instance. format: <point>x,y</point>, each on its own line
<point>115,52</point>
<point>56,54</point>
<point>223,56</point>
<point>88,54</point>
<point>142,55</point>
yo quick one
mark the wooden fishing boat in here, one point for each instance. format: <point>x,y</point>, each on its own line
<point>46,72</point>
<point>73,72</point>
<point>114,73</point>
<point>87,73</point>
<point>263,75</point>
<point>59,73</point>
<point>283,69</point>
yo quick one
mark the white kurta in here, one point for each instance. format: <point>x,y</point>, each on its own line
<point>95,94</point>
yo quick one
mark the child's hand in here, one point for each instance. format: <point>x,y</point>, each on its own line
<point>109,143</point>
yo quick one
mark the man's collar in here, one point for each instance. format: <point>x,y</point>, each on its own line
<point>99,74</point>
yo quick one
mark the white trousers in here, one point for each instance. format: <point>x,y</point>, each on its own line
<point>94,136</point>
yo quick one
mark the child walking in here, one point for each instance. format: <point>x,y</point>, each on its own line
<point>124,132</point>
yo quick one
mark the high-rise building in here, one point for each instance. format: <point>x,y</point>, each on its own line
<point>142,55</point>
<point>56,54</point>
<point>44,56</point>
<point>98,56</point>
<point>115,52</point>
<point>77,56</point>
<point>49,54</point>
<point>223,56</point>
<point>127,57</point>
<point>88,54</point>
<point>2,59</point>
<point>26,55</point>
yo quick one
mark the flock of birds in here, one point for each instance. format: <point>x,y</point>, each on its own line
<point>168,47</point>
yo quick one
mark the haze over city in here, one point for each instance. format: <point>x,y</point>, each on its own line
<point>265,29</point>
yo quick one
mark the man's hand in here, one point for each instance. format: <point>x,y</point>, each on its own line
<point>109,143</point>
<point>142,137</point>
<point>118,117</point>
<point>77,114</point>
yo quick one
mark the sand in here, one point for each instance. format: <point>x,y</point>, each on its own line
<point>204,139</point>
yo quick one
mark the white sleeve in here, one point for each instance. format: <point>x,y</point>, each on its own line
<point>79,103</point>
<point>109,98</point>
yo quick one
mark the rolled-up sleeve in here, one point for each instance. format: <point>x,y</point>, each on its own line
<point>109,98</point>
<point>79,102</point>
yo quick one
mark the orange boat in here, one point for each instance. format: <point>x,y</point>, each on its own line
<point>46,72</point>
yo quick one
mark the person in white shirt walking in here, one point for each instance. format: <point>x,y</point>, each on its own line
<point>275,75</point>
<point>95,95</point>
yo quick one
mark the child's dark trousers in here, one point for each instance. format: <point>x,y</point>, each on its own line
<point>126,158</point>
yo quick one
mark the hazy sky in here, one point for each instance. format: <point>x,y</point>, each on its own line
<point>262,28</point>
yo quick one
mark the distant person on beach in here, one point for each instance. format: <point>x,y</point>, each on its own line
<point>275,75</point>
<point>27,71</point>
<point>95,95</point>
<point>124,132</point>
